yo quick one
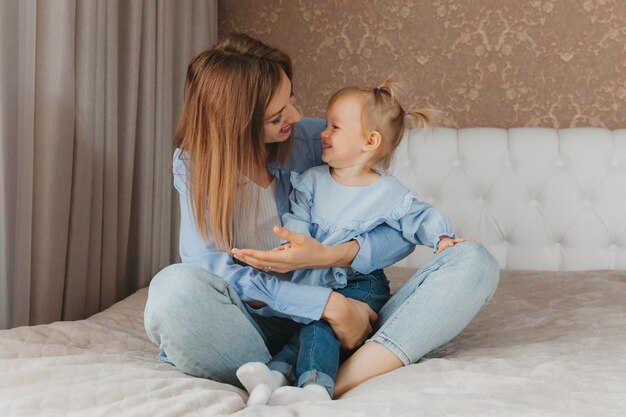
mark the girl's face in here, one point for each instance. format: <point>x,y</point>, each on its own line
<point>343,138</point>
<point>280,114</point>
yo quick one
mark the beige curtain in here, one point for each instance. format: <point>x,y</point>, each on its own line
<point>89,95</point>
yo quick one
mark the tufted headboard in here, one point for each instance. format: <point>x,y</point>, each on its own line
<point>539,199</point>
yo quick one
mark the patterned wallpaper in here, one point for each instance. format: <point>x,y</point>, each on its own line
<point>503,63</point>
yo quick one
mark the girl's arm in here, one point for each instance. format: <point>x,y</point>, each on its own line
<point>425,225</point>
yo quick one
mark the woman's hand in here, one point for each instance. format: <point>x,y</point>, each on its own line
<point>256,304</point>
<point>350,319</point>
<point>447,242</point>
<point>302,252</point>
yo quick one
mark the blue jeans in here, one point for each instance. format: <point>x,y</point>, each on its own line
<point>315,350</point>
<point>198,320</point>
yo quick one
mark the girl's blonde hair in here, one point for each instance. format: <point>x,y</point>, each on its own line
<point>221,127</point>
<point>381,111</point>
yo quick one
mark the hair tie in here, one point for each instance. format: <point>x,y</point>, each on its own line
<point>406,113</point>
<point>378,88</point>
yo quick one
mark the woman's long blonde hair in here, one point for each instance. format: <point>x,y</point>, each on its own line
<point>381,111</point>
<point>221,127</point>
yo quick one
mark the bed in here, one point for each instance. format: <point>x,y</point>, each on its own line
<point>551,207</point>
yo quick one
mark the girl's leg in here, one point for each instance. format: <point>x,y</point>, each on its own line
<point>285,360</point>
<point>316,366</point>
<point>434,306</point>
<point>318,358</point>
<point>200,323</point>
<point>319,355</point>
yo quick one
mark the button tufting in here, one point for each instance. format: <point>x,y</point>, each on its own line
<point>480,201</point>
<point>587,203</point>
<point>614,164</point>
<point>613,247</point>
<point>507,164</point>
<point>505,242</point>
<point>558,244</point>
<point>456,163</point>
<point>533,202</point>
<point>560,163</point>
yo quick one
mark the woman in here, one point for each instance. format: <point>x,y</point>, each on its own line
<point>238,138</point>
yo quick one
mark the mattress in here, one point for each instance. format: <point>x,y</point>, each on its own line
<point>549,344</point>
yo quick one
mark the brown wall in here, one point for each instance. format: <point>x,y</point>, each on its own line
<point>502,63</point>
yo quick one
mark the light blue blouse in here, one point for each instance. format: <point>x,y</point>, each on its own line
<point>299,302</point>
<point>334,213</point>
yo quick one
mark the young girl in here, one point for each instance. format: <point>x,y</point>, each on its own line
<point>334,203</point>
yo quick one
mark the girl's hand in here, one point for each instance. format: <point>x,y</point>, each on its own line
<point>302,252</point>
<point>447,242</point>
<point>350,319</point>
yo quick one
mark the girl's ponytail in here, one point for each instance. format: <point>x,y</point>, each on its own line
<point>423,118</point>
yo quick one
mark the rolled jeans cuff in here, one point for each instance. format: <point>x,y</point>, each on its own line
<point>316,377</point>
<point>395,349</point>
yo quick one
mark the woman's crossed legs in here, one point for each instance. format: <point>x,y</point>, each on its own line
<point>198,320</point>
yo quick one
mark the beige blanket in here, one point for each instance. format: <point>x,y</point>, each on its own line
<point>549,344</point>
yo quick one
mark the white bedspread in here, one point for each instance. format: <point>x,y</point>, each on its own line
<point>549,344</point>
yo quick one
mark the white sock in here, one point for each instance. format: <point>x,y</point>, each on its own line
<point>259,395</point>
<point>253,375</point>
<point>290,395</point>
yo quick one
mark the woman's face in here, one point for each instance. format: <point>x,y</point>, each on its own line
<point>280,114</point>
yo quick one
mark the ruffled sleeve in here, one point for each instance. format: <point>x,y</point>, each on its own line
<point>301,200</point>
<point>424,225</point>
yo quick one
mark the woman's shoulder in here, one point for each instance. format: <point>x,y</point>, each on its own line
<point>307,145</point>
<point>309,129</point>
<point>180,154</point>
<point>180,162</point>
